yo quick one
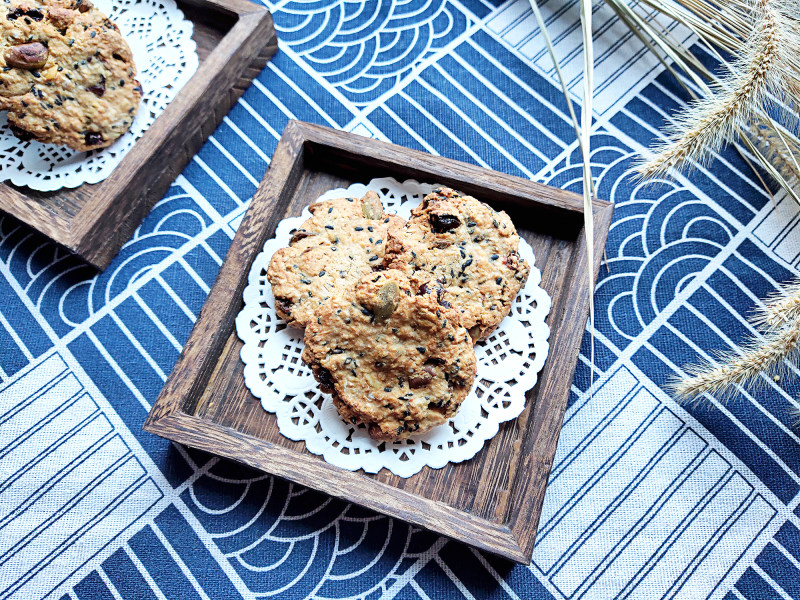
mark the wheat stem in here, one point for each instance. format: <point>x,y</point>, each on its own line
<point>549,43</point>
<point>681,56</point>
<point>588,182</point>
<point>561,79</point>
<point>698,21</point>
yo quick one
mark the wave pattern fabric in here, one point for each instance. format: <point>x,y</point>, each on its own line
<point>647,498</point>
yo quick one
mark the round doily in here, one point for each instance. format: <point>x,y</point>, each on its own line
<point>166,58</point>
<point>508,365</point>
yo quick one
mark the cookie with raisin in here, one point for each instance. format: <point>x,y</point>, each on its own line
<point>393,359</point>
<point>457,244</point>
<point>67,76</point>
<point>343,240</point>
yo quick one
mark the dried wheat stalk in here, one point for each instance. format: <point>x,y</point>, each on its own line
<point>767,354</point>
<point>780,148</point>
<point>764,38</point>
<point>588,180</point>
<point>767,67</point>
<point>757,102</point>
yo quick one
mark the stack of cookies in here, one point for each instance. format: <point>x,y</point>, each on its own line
<point>391,309</point>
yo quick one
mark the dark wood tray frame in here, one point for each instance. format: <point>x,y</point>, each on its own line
<point>492,501</point>
<point>235,39</point>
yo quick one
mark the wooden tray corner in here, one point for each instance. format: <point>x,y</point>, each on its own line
<point>492,501</point>
<point>235,39</point>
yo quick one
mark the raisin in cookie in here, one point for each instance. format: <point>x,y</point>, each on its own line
<point>393,359</point>
<point>459,244</point>
<point>67,75</point>
<point>344,239</point>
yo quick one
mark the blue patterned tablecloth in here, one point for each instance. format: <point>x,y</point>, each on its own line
<point>647,498</point>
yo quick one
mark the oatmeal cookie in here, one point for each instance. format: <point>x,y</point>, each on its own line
<point>461,245</point>
<point>393,359</point>
<point>67,75</point>
<point>343,240</point>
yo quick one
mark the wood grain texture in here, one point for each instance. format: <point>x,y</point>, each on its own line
<point>492,501</point>
<point>235,39</point>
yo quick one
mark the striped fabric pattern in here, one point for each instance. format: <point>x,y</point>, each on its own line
<point>647,498</point>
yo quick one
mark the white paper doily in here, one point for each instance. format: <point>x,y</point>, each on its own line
<point>508,365</point>
<point>166,58</point>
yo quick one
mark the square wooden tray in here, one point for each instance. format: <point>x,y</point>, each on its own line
<point>235,39</point>
<point>492,501</point>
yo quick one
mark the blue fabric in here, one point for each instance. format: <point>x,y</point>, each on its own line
<point>647,498</point>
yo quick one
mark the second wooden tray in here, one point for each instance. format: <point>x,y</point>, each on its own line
<point>492,501</point>
<point>235,39</point>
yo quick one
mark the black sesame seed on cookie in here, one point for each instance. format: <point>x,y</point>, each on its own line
<point>393,359</point>
<point>67,75</point>
<point>462,246</point>
<point>329,251</point>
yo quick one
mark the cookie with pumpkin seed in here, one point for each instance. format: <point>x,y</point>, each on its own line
<point>343,240</point>
<point>464,247</point>
<point>67,75</point>
<point>394,359</point>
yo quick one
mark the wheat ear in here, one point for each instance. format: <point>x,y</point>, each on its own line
<point>782,150</point>
<point>761,356</point>
<point>779,320</point>
<point>780,309</point>
<point>714,119</point>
